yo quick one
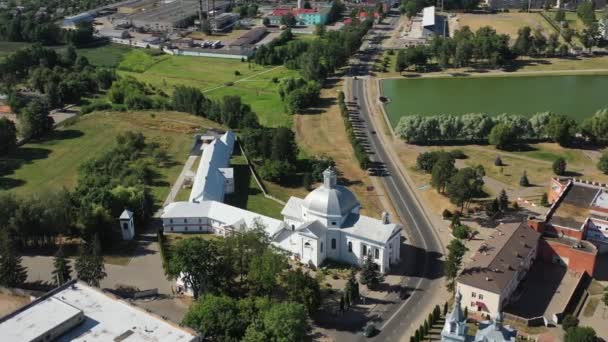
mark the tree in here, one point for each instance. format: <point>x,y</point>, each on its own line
<point>567,33</point>
<point>216,318</point>
<point>559,166</point>
<point>586,12</point>
<point>198,263</point>
<point>502,136</point>
<point>8,136</point>
<point>523,43</point>
<point>503,200</point>
<point>580,334</point>
<point>560,16</point>
<point>263,271</point>
<point>282,322</point>
<point>89,265</point>
<point>289,20</point>
<point>492,208</point>
<point>498,161</point>
<point>426,160</point>
<point>62,271</point>
<point>370,275</point>
<point>561,129</point>
<point>464,185</point>
<point>602,164</point>
<point>523,181</point>
<point>35,120</point>
<point>589,36</point>
<point>12,273</point>
<point>442,171</point>
<point>456,251</point>
<point>301,288</point>
<point>266,21</point>
<point>569,321</point>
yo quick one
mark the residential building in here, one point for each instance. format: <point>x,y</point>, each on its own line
<point>455,328</point>
<point>495,331</point>
<point>304,16</point>
<point>78,312</point>
<point>324,225</point>
<point>500,264</point>
<point>575,227</point>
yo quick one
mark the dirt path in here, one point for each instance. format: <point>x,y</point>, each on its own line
<point>243,79</point>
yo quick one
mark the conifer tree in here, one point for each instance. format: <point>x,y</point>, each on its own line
<point>369,273</point>
<point>62,271</point>
<point>12,273</point>
<point>89,265</point>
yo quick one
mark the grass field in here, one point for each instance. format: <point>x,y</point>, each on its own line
<point>507,23</point>
<point>139,61</point>
<point>108,55</point>
<point>53,163</point>
<point>254,83</point>
<point>6,48</point>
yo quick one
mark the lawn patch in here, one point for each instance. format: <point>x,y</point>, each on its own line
<point>139,61</point>
<point>52,164</point>
<point>108,55</point>
<point>591,306</point>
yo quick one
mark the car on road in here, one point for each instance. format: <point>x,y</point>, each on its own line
<point>370,330</point>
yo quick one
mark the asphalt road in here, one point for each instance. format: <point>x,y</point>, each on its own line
<point>421,252</point>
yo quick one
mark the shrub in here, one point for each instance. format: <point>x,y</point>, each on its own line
<point>458,154</point>
<point>446,214</point>
<point>602,164</point>
<point>523,181</point>
<point>569,322</point>
<point>498,161</point>
<point>559,166</point>
<point>461,232</point>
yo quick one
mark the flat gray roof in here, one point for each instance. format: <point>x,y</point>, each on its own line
<point>105,318</point>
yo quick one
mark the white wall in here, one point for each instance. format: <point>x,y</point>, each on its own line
<point>471,295</point>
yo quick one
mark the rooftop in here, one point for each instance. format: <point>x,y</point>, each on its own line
<point>105,318</point>
<point>428,16</point>
<point>209,180</point>
<point>498,259</point>
<point>575,203</point>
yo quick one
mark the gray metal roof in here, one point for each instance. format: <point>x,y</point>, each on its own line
<point>209,180</point>
<point>336,201</point>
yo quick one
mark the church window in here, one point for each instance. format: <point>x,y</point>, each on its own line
<point>307,245</point>
<point>333,223</point>
<point>377,253</point>
<point>321,247</point>
<point>125,226</point>
<point>364,250</point>
<point>333,243</point>
<point>350,246</point>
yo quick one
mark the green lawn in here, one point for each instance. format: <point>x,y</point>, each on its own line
<point>247,194</point>
<point>6,48</point>
<point>108,55</point>
<point>212,75</point>
<point>53,163</point>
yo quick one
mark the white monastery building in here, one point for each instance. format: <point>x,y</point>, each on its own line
<point>324,225</point>
<point>78,312</point>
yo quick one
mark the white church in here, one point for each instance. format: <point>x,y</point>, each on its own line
<point>324,225</point>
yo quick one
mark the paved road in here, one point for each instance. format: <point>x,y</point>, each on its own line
<point>422,251</point>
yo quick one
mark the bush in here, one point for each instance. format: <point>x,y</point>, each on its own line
<point>446,214</point>
<point>461,231</point>
<point>523,181</point>
<point>458,154</point>
<point>602,164</point>
<point>559,166</point>
<point>569,321</point>
<point>498,161</point>
<point>544,201</point>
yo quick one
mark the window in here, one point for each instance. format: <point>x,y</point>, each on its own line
<point>185,220</point>
<point>199,220</point>
<point>186,228</point>
<point>377,253</point>
<point>170,220</point>
<point>473,304</point>
<point>171,228</point>
<point>321,247</point>
<point>200,228</point>
<point>363,250</point>
<point>125,226</point>
<point>333,243</point>
<point>480,296</point>
<point>350,246</point>
<point>333,223</point>
<point>473,294</point>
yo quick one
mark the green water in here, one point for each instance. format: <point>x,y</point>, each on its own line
<point>577,96</point>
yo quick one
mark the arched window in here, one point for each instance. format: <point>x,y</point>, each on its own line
<point>333,243</point>
<point>307,244</point>
<point>364,250</point>
<point>377,253</point>
<point>350,246</point>
<point>321,247</point>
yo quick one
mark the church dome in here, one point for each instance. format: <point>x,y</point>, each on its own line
<point>330,199</point>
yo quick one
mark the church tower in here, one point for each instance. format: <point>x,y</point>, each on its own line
<point>455,328</point>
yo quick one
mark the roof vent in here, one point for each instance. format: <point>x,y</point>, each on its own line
<point>385,218</point>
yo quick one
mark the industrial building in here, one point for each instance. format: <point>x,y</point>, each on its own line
<point>78,312</point>
<point>162,16</point>
<point>249,38</point>
<point>70,23</point>
<point>224,21</point>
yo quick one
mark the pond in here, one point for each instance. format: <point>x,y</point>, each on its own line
<point>577,96</point>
